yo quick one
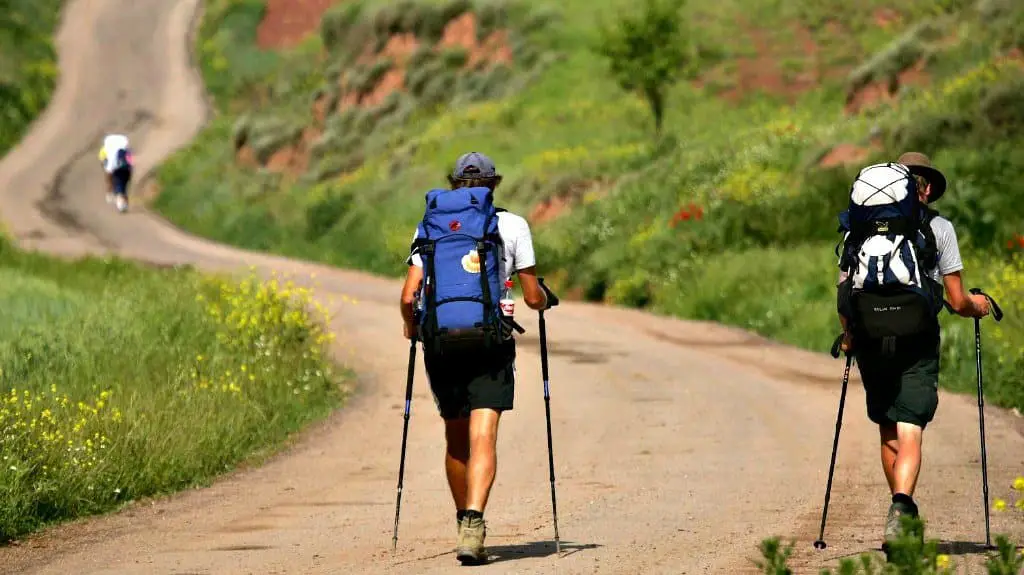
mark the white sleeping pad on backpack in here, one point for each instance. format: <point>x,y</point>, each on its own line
<point>881,185</point>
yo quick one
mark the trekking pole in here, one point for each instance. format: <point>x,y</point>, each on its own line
<point>997,314</point>
<point>552,302</point>
<point>820,543</point>
<point>405,435</point>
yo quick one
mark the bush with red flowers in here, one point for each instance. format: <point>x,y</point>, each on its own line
<point>687,213</point>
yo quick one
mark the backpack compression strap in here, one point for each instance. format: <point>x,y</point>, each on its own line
<point>492,242</point>
<point>430,327</point>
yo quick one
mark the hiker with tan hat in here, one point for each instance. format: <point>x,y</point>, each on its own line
<point>900,262</point>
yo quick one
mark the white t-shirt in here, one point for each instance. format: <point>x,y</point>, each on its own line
<point>112,144</point>
<point>515,234</point>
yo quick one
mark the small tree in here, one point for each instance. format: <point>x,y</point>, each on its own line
<point>646,52</point>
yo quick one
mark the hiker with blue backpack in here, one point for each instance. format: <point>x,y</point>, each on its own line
<point>454,301</point>
<point>899,266</point>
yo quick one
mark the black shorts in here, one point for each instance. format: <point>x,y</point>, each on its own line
<point>121,178</point>
<point>904,388</point>
<point>466,381</point>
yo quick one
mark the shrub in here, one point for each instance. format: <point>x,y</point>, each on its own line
<point>429,28</point>
<point>452,9</point>
<point>1003,107</point>
<point>240,132</point>
<point>338,23</point>
<point>423,55</point>
<point>419,77</point>
<point>270,136</point>
<point>365,83</point>
<point>646,52</point>
<point>454,57</point>
<point>437,89</point>
<point>322,215</point>
<point>491,16</point>
<point>887,64</point>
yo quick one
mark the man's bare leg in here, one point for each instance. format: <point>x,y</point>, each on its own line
<point>907,466</point>
<point>456,457</point>
<point>110,186</point>
<point>483,464</point>
<point>483,457</point>
<point>889,448</point>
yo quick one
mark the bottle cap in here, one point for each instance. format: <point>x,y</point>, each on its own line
<point>508,283</point>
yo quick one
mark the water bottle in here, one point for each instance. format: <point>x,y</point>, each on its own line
<point>418,301</point>
<point>508,305</point>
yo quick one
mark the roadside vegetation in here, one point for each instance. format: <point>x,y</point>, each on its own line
<point>119,382</point>
<point>913,553</point>
<point>323,149</point>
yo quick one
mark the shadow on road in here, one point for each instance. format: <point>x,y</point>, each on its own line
<point>499,553</point>
<point>965,548</point>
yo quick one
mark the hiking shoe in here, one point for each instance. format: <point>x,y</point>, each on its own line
<point>892,522</point>
<point>893,526</point>
<point>470,548</point>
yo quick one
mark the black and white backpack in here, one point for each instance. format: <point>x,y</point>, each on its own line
<point>887,251</point>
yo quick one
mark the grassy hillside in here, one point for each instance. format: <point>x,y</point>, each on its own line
<point>324,150</point>
<point>27,64</point>
<point>119,382</point>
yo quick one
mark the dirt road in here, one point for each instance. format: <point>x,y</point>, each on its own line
<point>678,445</point>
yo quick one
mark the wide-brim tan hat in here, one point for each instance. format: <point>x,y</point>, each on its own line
<point>920,165</point>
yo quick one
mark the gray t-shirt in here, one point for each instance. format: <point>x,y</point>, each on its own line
<point>949,260</point>
<point>949,249</point>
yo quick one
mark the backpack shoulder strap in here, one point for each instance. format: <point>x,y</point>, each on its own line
<point>930,250</point>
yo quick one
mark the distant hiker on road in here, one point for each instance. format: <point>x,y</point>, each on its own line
<point>116,158</point>
<point>898,257</point>
<point>466,250</point>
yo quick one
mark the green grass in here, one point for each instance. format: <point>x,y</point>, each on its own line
<point>761,256</point>
<point>27,64</point>
<point>119,382</point>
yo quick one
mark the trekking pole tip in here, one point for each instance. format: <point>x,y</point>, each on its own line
<point>819,544</point>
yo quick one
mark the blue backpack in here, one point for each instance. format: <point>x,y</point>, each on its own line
<point>461,249</point>
<point>888,248</point>
<point>121,161</point>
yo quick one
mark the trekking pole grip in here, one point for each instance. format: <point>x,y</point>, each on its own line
<point>837,346</point>
<point>997,313</point>
<point>552,298</point>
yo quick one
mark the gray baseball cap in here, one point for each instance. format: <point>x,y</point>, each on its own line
<point>474,165</point>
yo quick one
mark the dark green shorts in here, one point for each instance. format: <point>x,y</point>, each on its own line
<point>466,381</point>
<point>904,388</point>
